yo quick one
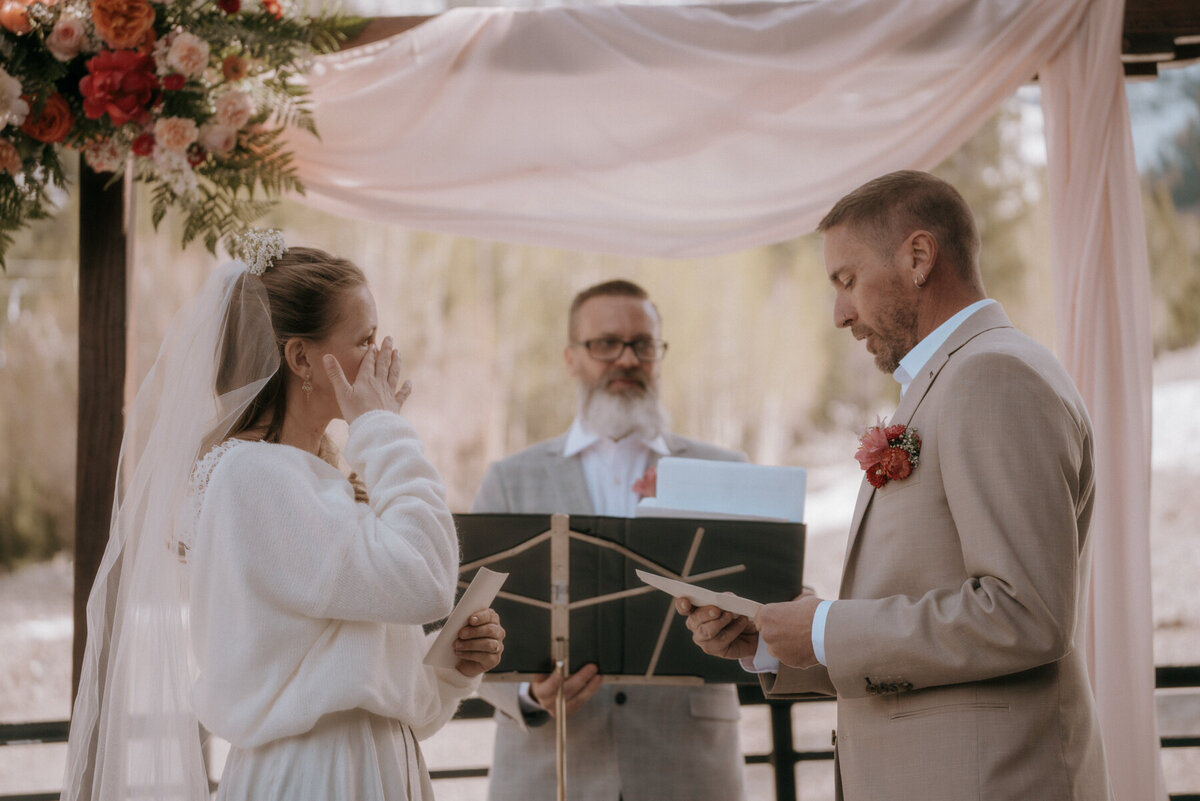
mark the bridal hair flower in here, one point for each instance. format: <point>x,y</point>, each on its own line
<point>888,453</point>
<point>259,248</point>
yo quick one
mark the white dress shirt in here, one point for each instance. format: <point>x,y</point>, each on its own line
<point>910,367</point>
<point>611,467</point>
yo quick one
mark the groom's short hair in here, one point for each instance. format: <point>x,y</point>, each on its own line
<point>889,208</point>
<point>618,287</point>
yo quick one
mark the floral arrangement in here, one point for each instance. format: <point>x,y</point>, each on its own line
<point>888,453</point>
<point>193,96</point>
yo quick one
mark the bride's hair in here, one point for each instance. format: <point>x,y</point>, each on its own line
<point>303,287</point>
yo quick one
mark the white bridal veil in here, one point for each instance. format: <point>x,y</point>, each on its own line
<point>133,732</point>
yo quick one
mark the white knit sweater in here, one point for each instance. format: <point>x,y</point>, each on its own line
<point>305,603</point>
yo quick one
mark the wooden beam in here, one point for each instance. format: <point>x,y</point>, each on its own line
<point>103,258</point>
<point>383,27</point>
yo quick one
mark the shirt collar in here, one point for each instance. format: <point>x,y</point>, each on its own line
<point>914,361</point>
<point>580,439</point>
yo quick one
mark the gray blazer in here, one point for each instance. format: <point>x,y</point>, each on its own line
<point>637,743</point>
<point>956,650</point>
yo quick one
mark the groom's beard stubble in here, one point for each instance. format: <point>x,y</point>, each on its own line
<point>620,413</point>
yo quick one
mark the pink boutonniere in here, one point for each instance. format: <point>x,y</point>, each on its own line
<point>888,453</point>
<point>647,485</point>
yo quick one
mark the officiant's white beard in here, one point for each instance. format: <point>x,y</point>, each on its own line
<point>616,415</point>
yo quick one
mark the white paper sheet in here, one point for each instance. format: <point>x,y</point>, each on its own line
<point>700,596</point>
<point>724,490</point>
<point>479,595</point>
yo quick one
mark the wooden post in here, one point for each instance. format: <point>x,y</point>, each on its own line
<point>103,292</point>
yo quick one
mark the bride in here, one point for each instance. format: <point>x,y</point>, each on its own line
<point>250,588</point>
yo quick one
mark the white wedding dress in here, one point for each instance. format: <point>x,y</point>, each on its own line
<point>306,612</point>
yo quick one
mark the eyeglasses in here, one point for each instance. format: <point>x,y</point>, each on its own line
<point>609,349</point>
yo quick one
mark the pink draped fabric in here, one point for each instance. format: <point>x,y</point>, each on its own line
<point>1102,312</point>
<point>665,131</point>
<point>684,131</point>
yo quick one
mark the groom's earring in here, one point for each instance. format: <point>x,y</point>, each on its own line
<point>307,387</point>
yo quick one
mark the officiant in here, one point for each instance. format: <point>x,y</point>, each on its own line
<point>629,742</point>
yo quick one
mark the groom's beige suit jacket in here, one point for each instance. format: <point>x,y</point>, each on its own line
<point>639,743</point>
<point>955,648</point>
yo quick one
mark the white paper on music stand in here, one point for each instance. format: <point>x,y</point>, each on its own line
<point>722,490</point>
<point>479,595</point>
<point>699,596</point>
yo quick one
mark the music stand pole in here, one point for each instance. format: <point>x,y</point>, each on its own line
<point>560,622</point>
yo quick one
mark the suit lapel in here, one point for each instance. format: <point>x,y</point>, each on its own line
<point>985,319</point>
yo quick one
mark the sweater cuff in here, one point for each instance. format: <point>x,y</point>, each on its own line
<point>461,685</point>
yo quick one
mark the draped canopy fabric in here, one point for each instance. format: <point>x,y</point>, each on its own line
<point>685,131</point>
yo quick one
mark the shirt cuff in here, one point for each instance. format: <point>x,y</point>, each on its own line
<point>761,662</point>
<point>818,630</point>
<point>525,699</point>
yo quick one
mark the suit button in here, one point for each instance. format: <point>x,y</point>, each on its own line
<point>620,698</point>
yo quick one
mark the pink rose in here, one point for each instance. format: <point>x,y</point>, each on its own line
<point>103,156</point>
<point>218,139</point>
<point>175,133</point>
<point>65,41</point>
<point>234,109</point>
<point>188,54</point>
<point>871,447</point>
<point>10,159</point>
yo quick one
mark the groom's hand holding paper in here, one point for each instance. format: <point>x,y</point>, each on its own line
<point>699,596</point>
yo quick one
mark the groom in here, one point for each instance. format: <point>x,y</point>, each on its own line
<point>629,742</point>
<point>955,647</point>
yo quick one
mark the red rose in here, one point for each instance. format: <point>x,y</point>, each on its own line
<point>196,154</point>
<point>173,82</point>
<point>230,6</point>
<point>143,145</point>
<point>895,464</point>
<point>54,121</point>
<point>120,83</point>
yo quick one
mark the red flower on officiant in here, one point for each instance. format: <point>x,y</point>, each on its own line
<point>888,453</point>
<point>121,84</point>
<point>647,485</point>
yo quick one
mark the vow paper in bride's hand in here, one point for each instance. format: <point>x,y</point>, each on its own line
<point>700,596</point>
<point>479,595</point>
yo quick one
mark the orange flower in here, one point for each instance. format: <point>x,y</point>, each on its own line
<point>123,24</point>
<point>234,67</point>
<point>53,123</point>
<point>14,16</point>
<point>10,159</point>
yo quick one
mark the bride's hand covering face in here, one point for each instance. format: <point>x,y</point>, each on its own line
<point>480,643</point>
<point>374,384</point>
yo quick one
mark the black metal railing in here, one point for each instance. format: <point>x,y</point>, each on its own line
<point>783,757</point>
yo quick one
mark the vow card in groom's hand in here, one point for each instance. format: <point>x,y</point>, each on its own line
<point>478,596</point>
<point>700,596</point>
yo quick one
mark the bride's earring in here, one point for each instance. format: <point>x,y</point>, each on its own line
<point>307,387</point>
